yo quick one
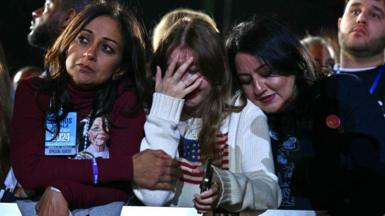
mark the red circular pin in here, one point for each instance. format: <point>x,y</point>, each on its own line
<point>333,121</point>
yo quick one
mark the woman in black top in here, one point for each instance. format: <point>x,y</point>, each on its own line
<point>328,135</point>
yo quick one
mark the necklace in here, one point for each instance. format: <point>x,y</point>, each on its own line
<point>191,128</point>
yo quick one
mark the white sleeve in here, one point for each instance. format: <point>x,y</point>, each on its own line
<point>161,132</point>
<point>254,186</point>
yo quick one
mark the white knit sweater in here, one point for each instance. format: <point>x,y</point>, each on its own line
<point>250,182</point>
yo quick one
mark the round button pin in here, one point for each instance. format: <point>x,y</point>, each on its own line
<point>333,121</point>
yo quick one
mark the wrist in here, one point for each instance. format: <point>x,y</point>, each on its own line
<point>95,171</point>
<point>219,184</point>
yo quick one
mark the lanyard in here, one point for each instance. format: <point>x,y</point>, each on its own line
<point>377,79</point>
<point>338,69</point>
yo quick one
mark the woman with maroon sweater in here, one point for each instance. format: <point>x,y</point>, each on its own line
<point>94,70</point>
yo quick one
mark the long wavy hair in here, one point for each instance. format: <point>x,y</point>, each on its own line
<point>6,104</point>
<point>206,42</point>
<point>270,40</point>
<point>132,64</point>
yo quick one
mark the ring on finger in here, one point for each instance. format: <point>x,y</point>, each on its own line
<point>185,85</point>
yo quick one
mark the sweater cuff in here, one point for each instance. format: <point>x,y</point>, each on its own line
<point>166,107</point>
<point>224,181</point>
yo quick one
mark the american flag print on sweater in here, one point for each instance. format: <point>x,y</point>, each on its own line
<point>190,159</point>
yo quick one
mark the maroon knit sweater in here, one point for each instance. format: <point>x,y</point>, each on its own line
<point>35,171</point>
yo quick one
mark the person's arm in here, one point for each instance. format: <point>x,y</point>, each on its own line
<point>161,127</point>
<point>84,196</point>
<point>161,133</point>
<point>34,170</point>
<point>253,185</point>
<point>80,196</point>
<point>52,202</point>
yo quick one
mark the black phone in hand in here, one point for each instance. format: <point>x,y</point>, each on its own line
<point>207,176</point>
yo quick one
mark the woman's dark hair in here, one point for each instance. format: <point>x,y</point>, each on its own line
<point>207,44</point>
<point>132,64</point>
<point>269,39</point>
<point>6,105</point>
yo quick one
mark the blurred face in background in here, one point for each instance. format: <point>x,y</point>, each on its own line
<point>362,28</point>
<point>46,24</point>
<point>323,55</point>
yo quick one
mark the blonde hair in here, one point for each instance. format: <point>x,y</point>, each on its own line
<point>206,42</point>
<point>172,17</point>
<point>310,41</point>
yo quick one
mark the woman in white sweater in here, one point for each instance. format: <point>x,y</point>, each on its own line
<point>194,117</point>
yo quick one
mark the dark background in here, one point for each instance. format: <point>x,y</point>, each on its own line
<point>303,16</point>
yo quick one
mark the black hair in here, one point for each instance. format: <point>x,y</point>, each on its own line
<point>270,40</point>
